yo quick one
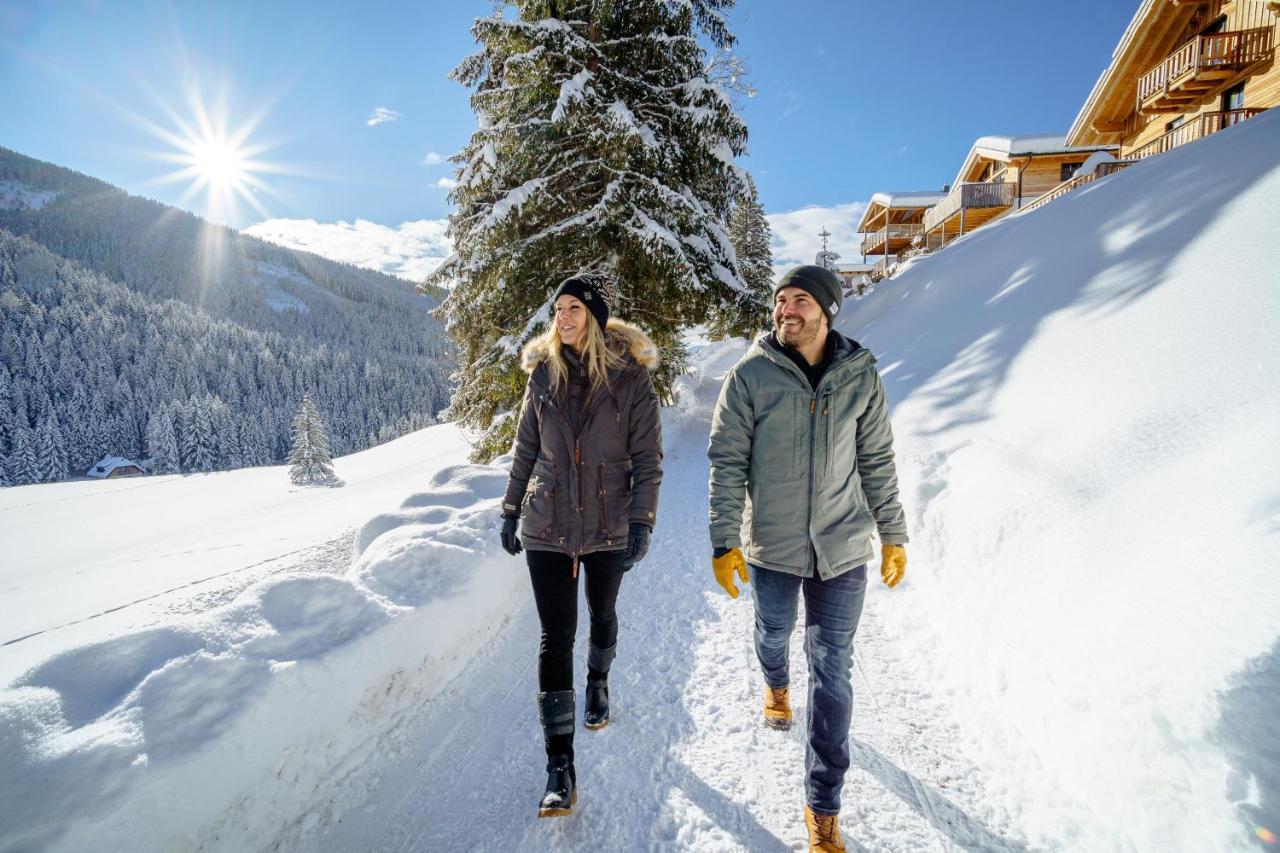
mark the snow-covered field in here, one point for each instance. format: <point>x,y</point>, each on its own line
<point>1085,654</point>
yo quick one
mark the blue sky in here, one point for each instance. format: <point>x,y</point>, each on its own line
<point>853,98</point>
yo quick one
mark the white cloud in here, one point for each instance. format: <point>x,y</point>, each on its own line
<point>432,159</point>
<point>411,250</point>
<point>796,240</point>
<point>446,183</point>
<point>382,115</point>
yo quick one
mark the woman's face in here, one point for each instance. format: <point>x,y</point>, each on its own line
<point>571,320</point>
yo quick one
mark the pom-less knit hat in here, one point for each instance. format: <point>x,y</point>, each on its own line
<point>820,283</point>
<point>587,290</point>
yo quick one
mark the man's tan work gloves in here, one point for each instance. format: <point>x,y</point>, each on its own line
<point>893,564</point>
<point>725,562</point>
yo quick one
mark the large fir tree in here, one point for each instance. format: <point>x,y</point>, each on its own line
<point>751,236</point>
<point>309,459</point>
<point>602,148</point>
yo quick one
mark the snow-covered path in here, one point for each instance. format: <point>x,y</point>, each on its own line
<point>1084,654</point>
<point>686,764</point>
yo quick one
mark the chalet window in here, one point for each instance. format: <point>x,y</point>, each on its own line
<point>1067,171</point>
<point>1233,98</point>
<point>1218,25</point>
<point>1175,124</point>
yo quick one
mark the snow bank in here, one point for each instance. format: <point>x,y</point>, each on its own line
<point>1086,419</point>
<point>202,732</point>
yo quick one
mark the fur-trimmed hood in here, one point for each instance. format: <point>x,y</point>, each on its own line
<point>619,336</point>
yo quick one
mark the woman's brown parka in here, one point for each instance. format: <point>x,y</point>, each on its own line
<point>576,494</point>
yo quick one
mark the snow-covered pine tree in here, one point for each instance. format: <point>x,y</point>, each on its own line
<point>601,148</point>
<point>309,459</point>
<point>23,469</point>
<point>7,418</point>
<point>162,443</point>
<point>751,236</point>
<point>203,439</point>
<point>51,452</point>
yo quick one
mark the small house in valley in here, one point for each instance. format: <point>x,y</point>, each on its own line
<point>115,466</point>
<point>891,224</point>
<point>1183,70</point>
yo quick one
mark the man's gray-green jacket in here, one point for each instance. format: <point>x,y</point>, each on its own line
<point>791,465</point>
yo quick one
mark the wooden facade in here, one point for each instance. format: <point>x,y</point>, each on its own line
<point>1183,70</point>
<point>891,224</point>
<point>1001,174</point>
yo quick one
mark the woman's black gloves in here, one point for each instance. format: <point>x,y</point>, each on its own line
<point>637,545</point>
<point>510,541</point>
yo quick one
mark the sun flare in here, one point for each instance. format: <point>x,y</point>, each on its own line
<point>216,161</point>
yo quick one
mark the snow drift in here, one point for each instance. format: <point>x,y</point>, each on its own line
<point>1086,423</point>
<point>1084,655</point>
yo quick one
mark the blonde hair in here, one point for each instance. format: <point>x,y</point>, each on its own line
<point>596,356</point>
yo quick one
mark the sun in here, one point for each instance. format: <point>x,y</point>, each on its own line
<point>216,160</point>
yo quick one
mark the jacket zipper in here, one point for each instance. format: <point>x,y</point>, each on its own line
<point>808,526</point>
<point>577,463</point>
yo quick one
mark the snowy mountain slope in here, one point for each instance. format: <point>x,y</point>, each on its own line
<point>1084,655</point>
<point>1086,422</point>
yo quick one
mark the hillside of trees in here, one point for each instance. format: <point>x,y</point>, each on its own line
<point>123,321</point>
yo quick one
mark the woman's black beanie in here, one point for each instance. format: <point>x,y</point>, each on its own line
<point>587,290</point>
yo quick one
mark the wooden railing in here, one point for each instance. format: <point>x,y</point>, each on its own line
<point>881,267</point>
<point>1214,122</point>
<point>969,196</point>
<point>1070,184</point>
<point>1239,48</point>
<point>1191,131</point>
<point>881,235</point>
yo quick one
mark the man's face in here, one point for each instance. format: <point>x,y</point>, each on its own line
<point>797,317</point>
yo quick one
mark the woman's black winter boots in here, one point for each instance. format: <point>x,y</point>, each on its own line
<point>555,710</point>
<point>596,713</point>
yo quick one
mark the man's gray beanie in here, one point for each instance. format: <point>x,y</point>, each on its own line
<point>819,282</point>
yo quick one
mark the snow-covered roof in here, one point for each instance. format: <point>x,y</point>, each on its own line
<point>919,198</point>
<point>107,464</point>
<point>899,201</point>
<point>1006,147</point>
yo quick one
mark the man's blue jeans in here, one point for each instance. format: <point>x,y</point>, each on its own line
<point>832,609</point>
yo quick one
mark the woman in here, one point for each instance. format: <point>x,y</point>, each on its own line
<point>584,488</point>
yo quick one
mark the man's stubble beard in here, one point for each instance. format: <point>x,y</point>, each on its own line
<point>802,337</point>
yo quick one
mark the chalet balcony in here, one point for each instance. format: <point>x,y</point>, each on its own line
<point>891,238</point>
<point>968,206</point>
<point>882,267</point>
<point>1202,65</point>
<point>1191,131</point>
<point>1076,182</point>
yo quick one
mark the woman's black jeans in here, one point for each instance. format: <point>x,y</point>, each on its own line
<point>555,591</point>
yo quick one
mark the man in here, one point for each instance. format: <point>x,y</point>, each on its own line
<point>802,474</point>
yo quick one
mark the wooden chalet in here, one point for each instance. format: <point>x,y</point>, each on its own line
<point>1183,70</point>
<point>1000,174</point>
<point>854,276</point>
<point>891,224</point>
<point>109,467</point>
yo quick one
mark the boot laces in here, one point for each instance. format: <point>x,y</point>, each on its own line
<point>828,828</point>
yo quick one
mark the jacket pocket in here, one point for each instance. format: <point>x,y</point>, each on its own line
<point>614,493</point>
<point>539,518</point>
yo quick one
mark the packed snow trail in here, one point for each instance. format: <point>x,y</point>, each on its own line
<point>686,762</point>
<point>1083,655</point>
